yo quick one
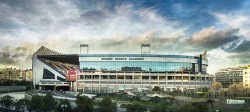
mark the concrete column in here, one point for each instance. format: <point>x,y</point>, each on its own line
<point>71,86</point>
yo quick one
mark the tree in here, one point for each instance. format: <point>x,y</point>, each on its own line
<point>187,108</point>
<point>22,105</point>
<point>84,104</point>
<point>106,105</point>
<point>236,89</point>
<point>161,107</point>
<point>64,102</point>
<point>7,102</point>
<point>217,86</point>
<point>36,102</point>
<point>48,103</point>
<point>199,107</point>
<point>136,107</point>
<point>156,88</point>
<point>177,92</point>
<point>205,89</point>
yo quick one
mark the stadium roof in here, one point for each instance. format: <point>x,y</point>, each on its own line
<point>46,51</point>
<point>136,55</point>
<point>70,58</point>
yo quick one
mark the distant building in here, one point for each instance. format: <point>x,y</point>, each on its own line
<point>15,74</point>
<point>246,77</point>
<point>228,76</point>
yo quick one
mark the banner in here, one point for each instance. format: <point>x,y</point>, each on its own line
<point>71,75</point>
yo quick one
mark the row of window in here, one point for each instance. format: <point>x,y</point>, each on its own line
<point>105,82</point>
<point>136,66</point>
<point>129,77</point>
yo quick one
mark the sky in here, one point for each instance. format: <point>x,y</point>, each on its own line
<point>181,27</point>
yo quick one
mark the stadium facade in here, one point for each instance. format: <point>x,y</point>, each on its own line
<point>108,73</point>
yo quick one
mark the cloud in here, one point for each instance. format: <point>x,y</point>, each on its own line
<point>241,58</point>
<point>172,27</point>
<point>16,56</point>
<point>211,38</point>
<point>236,19</point>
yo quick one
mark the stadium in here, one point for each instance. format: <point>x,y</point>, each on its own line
<point>109,73</point>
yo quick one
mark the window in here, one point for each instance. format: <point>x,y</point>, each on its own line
<point>81,77</point>
<point>48,75</point>
<point>59,78</point>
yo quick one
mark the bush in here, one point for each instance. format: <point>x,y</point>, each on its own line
<point>84,104</point>
<point>7,102</point>
<point>156,88</point>
<point>106,105</point>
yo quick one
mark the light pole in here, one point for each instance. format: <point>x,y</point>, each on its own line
<point>63,106</point>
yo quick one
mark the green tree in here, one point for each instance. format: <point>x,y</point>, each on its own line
<point>106,105</point>
<point>7,102</point>
<point>36,102</point>
<point>22,105</point>
<point>156,88</point>
<point>200,107</point>
<point>161,107</point>
<point>64,104</point>
<point>136,107</point>
<point>177,92</point>
<point>205,89</point>
<point>84,104</point>
<point>187,108</point>
<point>195,107</point>
<point>48,103</point>
<point>8,83</point>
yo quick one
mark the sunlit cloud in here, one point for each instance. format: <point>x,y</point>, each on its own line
<point>171,27</point>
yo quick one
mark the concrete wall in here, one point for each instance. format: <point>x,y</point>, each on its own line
<point>12,88</point>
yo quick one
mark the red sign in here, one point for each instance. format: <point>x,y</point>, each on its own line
<point>71,75</point>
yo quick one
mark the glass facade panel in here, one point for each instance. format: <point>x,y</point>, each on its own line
<point>48,75</point>
<point>136,62</point>
<point>135,66</point>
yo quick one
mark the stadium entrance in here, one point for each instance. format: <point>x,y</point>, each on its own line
<point>58,86</point>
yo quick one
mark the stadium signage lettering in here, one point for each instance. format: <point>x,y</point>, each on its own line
<point>107,58</point>
<point>136,58</point>
<point>122,58</point>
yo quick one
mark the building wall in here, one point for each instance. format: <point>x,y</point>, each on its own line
<point>38,67</point>
<point>15,74</point>
<point>103,73</point>
<point>116,82</point>
<point>228,76</point>
<point>246,78</point>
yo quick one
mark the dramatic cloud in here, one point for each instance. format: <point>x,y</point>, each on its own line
<point>121,26</point>
<point>210,38</point>
<point>16,56</point>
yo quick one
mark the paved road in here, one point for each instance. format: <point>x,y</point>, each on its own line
<point>16,95</point>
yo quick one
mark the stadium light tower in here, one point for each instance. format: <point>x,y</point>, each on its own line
<point>86,46</point>
<point>145,48</point>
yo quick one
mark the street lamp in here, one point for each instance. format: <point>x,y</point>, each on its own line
<point>63,106</point>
